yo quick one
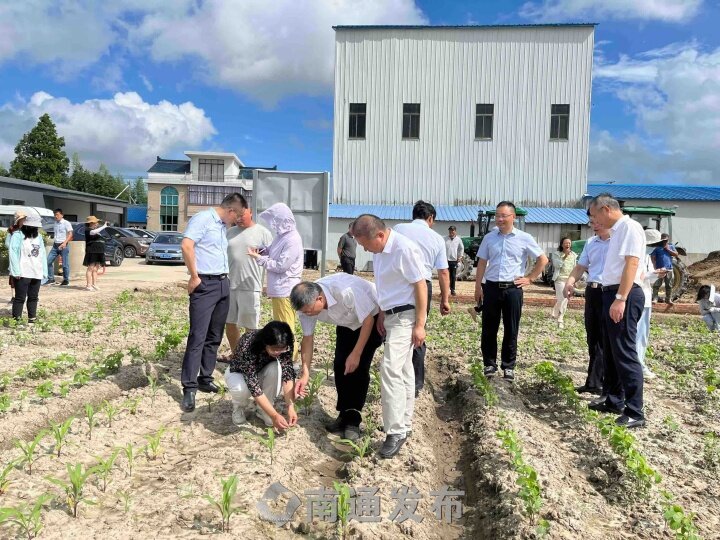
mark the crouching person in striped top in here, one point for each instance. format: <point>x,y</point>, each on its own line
<point>402,297</point>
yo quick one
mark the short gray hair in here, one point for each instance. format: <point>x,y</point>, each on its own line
<point>605,199</point>
<point>304,293</point>
<point>367,226</point>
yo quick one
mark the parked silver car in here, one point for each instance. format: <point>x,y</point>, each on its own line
<point>165,248</point>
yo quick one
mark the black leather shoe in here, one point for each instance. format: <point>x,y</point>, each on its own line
<point>188,402</point>
<point>209,388</point>
<point>629,422</point>
<point>584,389</point>
<point>336,425</point>
<point>392,445</point>
<point>603,407</point>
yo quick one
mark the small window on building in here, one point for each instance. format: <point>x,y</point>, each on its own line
<point>411,121</point>
<point>559,122</point>
<point>357,121</point>
<point>13,202</point>
<point>484,120</point>
<point>169,205</point>
<point>211,170</point>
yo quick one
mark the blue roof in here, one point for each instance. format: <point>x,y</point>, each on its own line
<point>137,214</point>
<point>656,192</point>
<point>445,26</point>
<point>575,216</point>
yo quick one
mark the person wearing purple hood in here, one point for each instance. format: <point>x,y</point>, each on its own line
<point>283,261</point>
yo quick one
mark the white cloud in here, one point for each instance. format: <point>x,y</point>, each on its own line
<point>266,50</point>
<point>675,11</point>
<point>125,132</point>
<point>146,82</point>
<point>674,94</point>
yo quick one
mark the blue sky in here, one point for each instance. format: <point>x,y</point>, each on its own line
<point>128,81</point>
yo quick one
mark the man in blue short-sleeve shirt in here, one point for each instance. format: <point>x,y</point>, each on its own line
<point>662,257</point>
<point>204,248</point>
<point>499,283</point>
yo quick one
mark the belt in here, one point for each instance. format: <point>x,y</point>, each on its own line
<point>213,276</point>
<point>616,287</point>
<point>399,309</point>
<point>594,285</point>
<point>502,284</point>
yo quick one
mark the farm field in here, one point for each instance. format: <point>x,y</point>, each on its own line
<point>92,393</point>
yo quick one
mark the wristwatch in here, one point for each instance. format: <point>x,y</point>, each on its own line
<point>620,297</point>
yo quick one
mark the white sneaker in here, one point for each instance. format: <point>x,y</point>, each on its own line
<point>89,289</point>
<point>648,375</point>
<point>262,415</point>
<point>95,288</point>
<point>561,325</point>
<point>238,415</point>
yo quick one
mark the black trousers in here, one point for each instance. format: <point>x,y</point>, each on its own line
<point>26,289</point>
<point>452,268</point>
<point>506,304</point>
<point>347,264</point>
<point>594,331</point>
<point>623,383</point>
<point>352,388</point>
<point>209,304</point>
<point>418,358</point>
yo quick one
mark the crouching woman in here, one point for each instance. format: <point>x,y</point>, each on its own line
<point>260,369</point>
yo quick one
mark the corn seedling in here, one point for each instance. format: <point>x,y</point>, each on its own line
<point>153,446</point>
<point>129,452</point>
<point>359,449</point>
<point>153,384</point>
<point>483,384</point>
<point>60,433</point>
<point>74,486</point>
<point>28,450</point>
<point>269,443</point>
<point>5,481</point>
<point>374,388</point>
<point>313,388</point>
<point>90,415</point>
<point>343,506</point>
<point>132,404</point>
<point>22,396</point>
<point>111,411</point>
<point>224,505</point>
<point>126,498</point>
<point>26,517</point>
<point>104,468</point>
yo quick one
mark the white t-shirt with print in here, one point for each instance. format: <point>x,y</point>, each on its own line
<point>31,263</point>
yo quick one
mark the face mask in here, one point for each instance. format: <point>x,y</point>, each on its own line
<point>649,249</point>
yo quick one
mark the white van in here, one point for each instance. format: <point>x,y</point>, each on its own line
<point>7,215</point>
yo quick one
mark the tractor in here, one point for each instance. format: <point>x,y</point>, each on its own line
<point>471,244</point>
<point>648,217</point>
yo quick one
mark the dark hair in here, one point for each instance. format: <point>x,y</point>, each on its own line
<point>273,334</point>
<point>508,204</point>
<point>423,210</point>
<point>58,211</point>
<point>29,232</point>
<point>452,228</point>
<point>350,225</point>
<point>234,199</point>
<point>560,248</point>
<point>703,293</point>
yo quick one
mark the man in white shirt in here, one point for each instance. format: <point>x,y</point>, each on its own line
<point>592,260</point>
<point>432,247</point>
<point>455,251</point>
<point>63,233</point>
<point>402,297</point>
<point>350,303</point>
<point>499,282</point>
<point>623,304</point>
<point>245,275</point>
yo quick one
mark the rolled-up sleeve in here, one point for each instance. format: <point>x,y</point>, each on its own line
<point>307,324</point>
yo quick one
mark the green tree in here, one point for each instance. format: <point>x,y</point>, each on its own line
<point>138,191</point>
<point>40,155</point>
<point>3,170</point>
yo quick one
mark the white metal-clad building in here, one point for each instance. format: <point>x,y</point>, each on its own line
<point>462,115</point>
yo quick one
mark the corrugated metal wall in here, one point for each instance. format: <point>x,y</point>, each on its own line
<point>522,71</point>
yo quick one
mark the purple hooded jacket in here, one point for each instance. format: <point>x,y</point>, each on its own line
<point>284,259</point>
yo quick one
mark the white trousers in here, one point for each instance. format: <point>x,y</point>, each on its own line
<point>561,301</point>
<point>397,375</point>
<point>643,335</point>
<point>270,380</point>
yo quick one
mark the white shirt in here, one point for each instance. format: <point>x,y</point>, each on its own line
<point>593,258</point>
<point>649,278</point>
<point>431,244</point>
<point>396,269</point>
<point>506,254</point>
<point>350,299</point>
<point>454,248</point>
<point>31,262</point>
<point>61,229</point>
<point>627,239</point>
